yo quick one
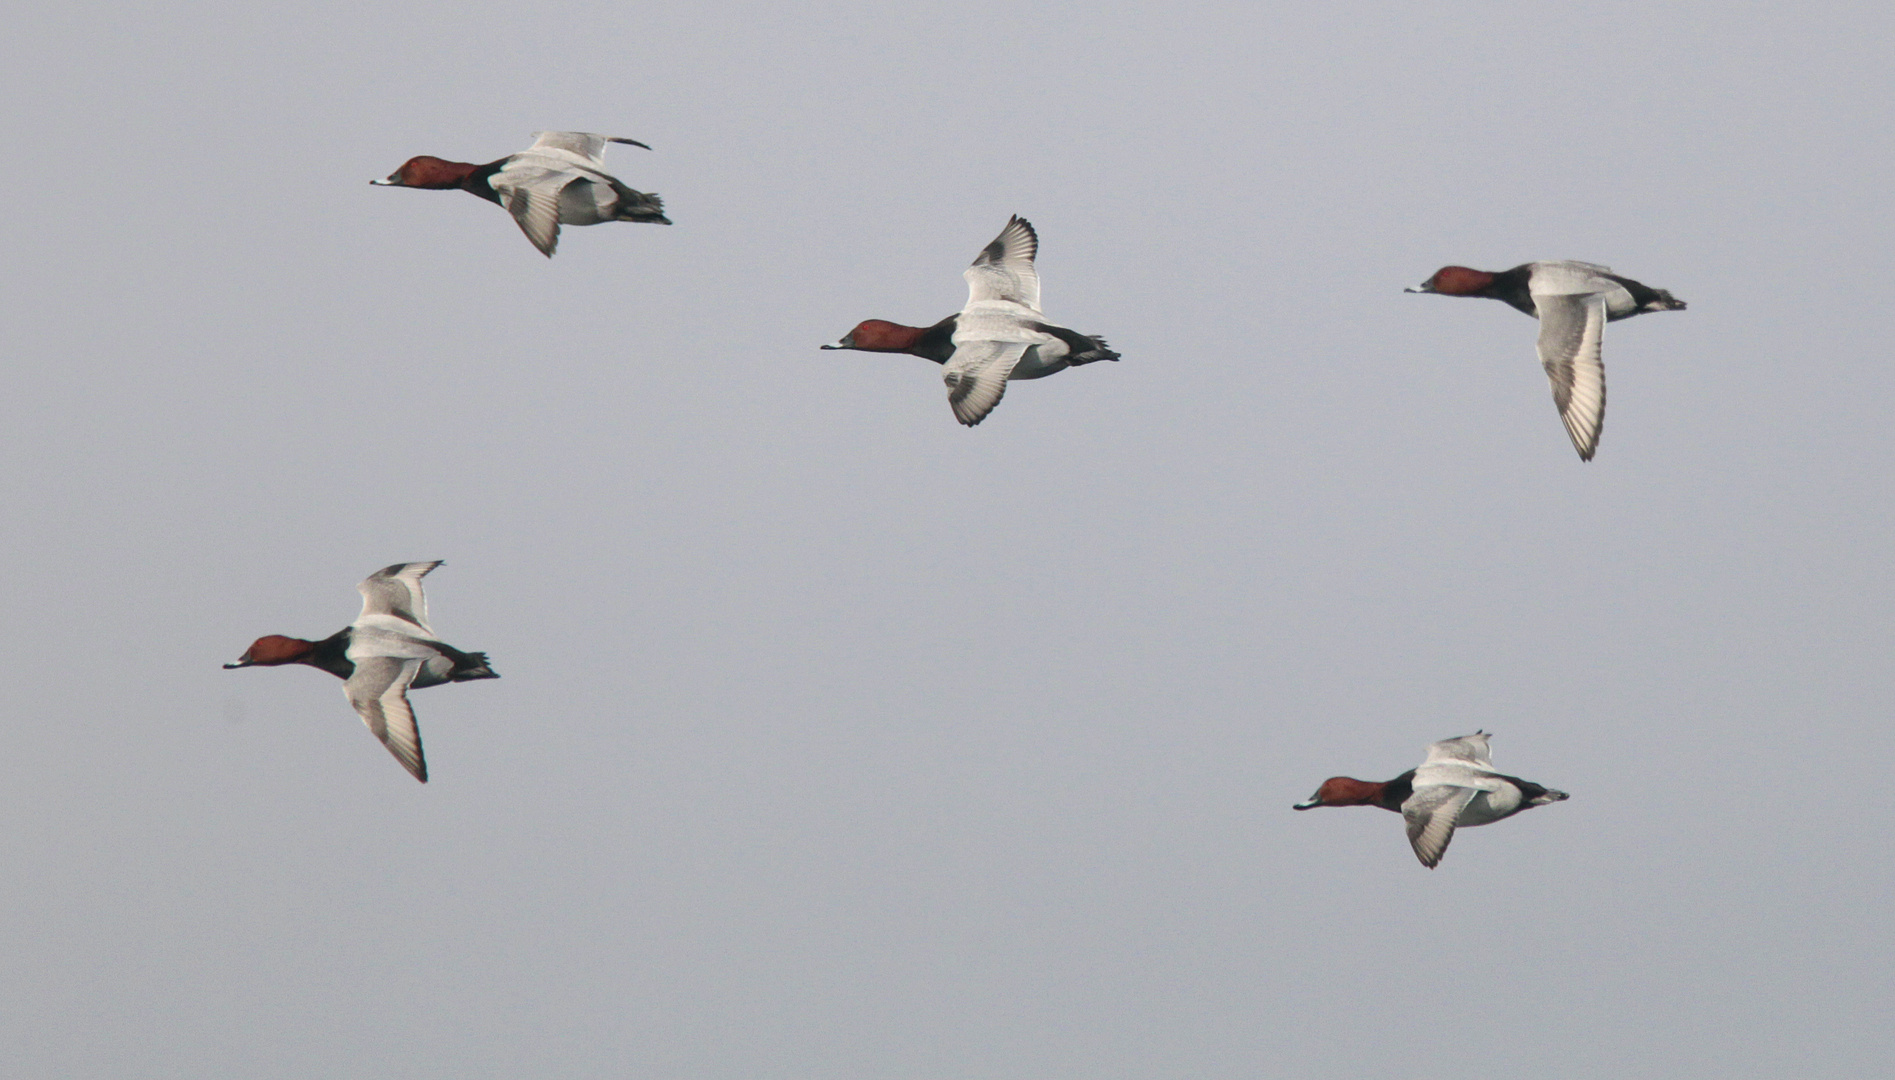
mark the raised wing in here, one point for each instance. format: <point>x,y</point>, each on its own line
<point>1572,330</point>
<point>1468,749</point>
<point>1431,814</point>
<point>396,590</point>
<point>583,143</point>
<point>1004,270</point>
<point>976,377</point>
<point>1573,267</point>
<point>379,691</point>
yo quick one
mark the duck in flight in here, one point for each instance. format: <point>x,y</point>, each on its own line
<point>1573,301</point>
<point>559,180</point>
<point>998,337</point>
<point>1454,786</point>
<point>389,650</point>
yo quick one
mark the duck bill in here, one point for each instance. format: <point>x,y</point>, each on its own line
<point>241,662</point>
<point>843,344</point>
<point>1310,803</point>
<point>1424,287</point>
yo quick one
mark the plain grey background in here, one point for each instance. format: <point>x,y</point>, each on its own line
<point>836,740</point>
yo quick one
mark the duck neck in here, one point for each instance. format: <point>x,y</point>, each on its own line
<point>477,180</point>
<point>936,343</point>
<point>331,654</point>
<point>1513,288</point>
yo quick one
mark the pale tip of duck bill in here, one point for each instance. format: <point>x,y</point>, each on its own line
<point>238,664</point>
<point>1310,805</point>
<point>1422,288</point>
<point>382,183</point>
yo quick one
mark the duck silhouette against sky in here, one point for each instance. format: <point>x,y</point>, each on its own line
<point>1573,301</point>
<point>389,650</point>
<point>559,180</point>
<point>999,336</point>
<point>1454,786</point>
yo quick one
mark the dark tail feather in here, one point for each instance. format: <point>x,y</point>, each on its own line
<point>1664,302</point>
<point>471,665</point>
<point>1098,351</point>
<point>641,206</point>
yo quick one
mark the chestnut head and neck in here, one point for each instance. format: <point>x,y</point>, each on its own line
<point>275,650</point>
<point>428,172</point>
<point>1458,281</point>
<point>439,174</point>
<point>934,343</point>
<point>1348,791</point>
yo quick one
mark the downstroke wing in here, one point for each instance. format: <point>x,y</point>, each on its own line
<point>1431,814</point>
<point>531,194</point>
<point>379,691</point>
<point>1572,331</point>
<point>976,377</point>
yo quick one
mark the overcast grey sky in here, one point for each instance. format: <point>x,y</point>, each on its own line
<point>836,740</point>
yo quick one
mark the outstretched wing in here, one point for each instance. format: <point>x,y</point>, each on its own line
<point>531,194</point>
<point>1572,330</point>
<point>396,590</point>
<point>976,377</point>
<point>583,143</point>
<point>1004,270</point>
<point>1431,813</point>
<point>1468,749</point>
<point>379,691</point>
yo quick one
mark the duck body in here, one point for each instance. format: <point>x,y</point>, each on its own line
<point>998,337</point>
<point>559,180</point>
<point>1573,301</point>
<point>936,343</point>
<point>387,651</point>
<point>1001,330</point>
<point>1455,786</point>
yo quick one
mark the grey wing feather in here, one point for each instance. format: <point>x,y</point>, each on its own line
<point>379,691</point>
<point>1572,329</point>
<point>1472,749</point>
<point>976,377</point>
<point>396,590</point>
<point>1431,814</point>
<point>1004,269</point>
<point>532,197</point>
<point>583,143</point>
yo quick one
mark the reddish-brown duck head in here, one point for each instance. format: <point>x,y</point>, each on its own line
<point>879,335</point>
<point>1344,791</point>
<point>1456,281</point>
<point>428,172</point>
<point>274,649</point>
